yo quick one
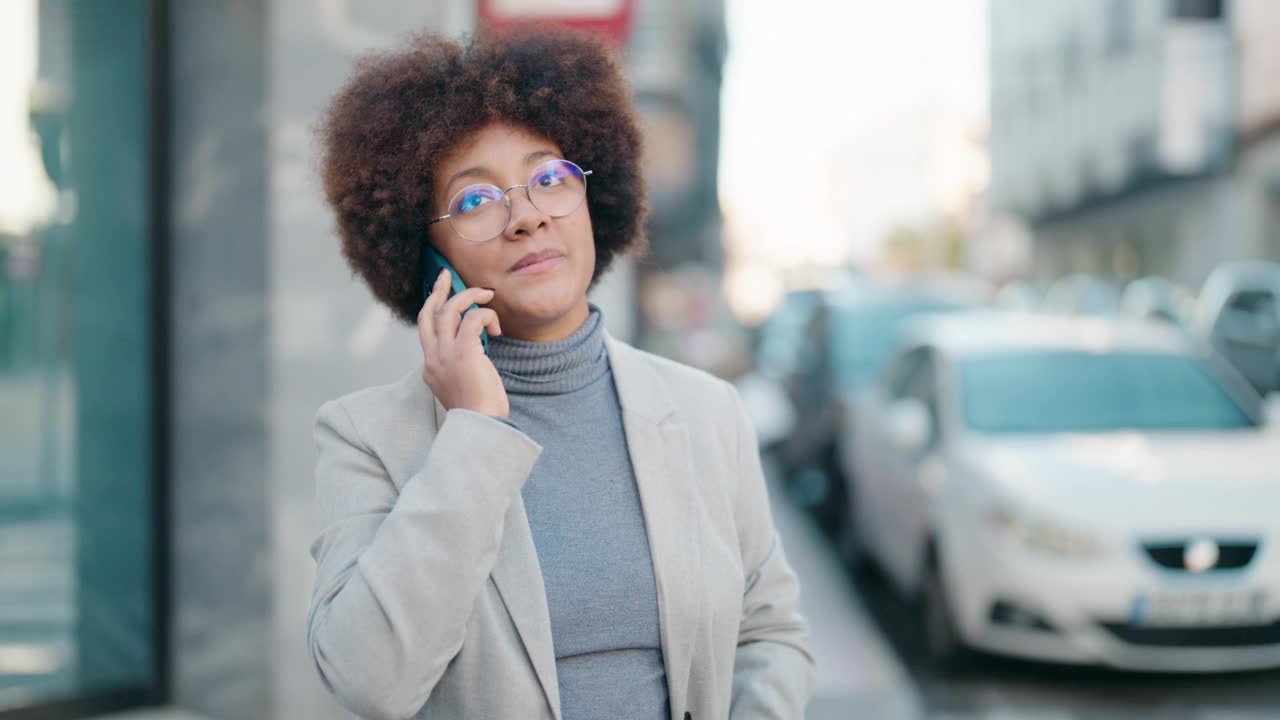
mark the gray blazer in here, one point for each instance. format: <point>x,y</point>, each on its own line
<point>428,589</point>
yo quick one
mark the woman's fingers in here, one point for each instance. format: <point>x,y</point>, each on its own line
<point>477,319</point>
<point>449,317</point>
<point>430,308</point>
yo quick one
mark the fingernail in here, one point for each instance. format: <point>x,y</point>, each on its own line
<point>489,289</point>
<point>443,272</point>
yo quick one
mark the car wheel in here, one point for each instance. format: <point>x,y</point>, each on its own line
<point>833,511</point>
<point>852,549</point>
<point>947,650</point>
<point>849,542</point>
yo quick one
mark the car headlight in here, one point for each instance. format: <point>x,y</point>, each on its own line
<point>1047,537</point>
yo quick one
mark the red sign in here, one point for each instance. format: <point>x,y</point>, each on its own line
<point>609,17</point>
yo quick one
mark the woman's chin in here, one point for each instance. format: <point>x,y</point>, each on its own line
<point>539,306</point>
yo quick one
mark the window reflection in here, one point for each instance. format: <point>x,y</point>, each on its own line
<point>75,383</point>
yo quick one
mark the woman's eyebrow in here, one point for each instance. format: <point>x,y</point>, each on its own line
<point>481,172</point>
<point>477,172</point>
<point>538,155</point>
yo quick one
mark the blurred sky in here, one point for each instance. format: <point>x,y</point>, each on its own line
<point>841,120</point>
<point>23,201</point>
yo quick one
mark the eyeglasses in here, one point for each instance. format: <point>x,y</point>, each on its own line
<point>481,212</point>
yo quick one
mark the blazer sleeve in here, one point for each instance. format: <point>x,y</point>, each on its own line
<point>397,573</point>
<point>773,671</point>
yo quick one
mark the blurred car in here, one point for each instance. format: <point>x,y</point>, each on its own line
<point>768,406</point>
<point>1017,296</point>
<point>1157,298</point>
<point>782,340</point>
<point>850,336</point>
<point>781,345</point>
<point>1239,314</point>
<point>1077,490</point>
<point>1082,294</point>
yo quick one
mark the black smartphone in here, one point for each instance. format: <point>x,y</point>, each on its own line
<point>432,263</point>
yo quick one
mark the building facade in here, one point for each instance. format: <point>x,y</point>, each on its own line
<point>1124,133</point>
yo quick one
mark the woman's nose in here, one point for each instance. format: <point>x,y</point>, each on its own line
<point>525,216</point>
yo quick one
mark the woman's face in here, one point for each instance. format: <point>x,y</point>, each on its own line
<point>542,301</point>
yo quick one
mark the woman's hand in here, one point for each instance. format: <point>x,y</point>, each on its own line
<point>454,364</point>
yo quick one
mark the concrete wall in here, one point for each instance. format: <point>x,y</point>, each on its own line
<point>223,578</point>
<point>329,337</point>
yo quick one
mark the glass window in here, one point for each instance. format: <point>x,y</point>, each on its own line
<point>1068,391</point>
<point>1072,61</point>
<point>904,373</point>
<point>1260,303</point>
<point>916,378</point>
<point>1251,318</point>
<point>76,376</point>
<point>1120,28</point>
<point>1197,9</point>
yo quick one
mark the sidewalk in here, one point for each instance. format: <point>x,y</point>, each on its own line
<point>858,676</point>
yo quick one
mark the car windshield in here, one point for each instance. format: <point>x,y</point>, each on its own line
<point>865,335</point>
<point>1072,391</point>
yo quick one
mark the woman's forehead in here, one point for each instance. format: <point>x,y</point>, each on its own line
<point>498,147</point>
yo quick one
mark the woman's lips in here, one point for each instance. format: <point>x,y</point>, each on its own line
<point>539,267</point>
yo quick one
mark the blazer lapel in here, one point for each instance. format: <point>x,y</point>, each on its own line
<point>658,444</point>
<point>518,577</point>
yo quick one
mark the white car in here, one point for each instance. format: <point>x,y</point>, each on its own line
<point>1072,489</point>
<point>1082,294</point>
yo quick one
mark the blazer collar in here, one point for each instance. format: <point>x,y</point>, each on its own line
<point>659,447</point>
<point>640,390</point>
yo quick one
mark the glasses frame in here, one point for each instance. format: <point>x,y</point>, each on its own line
<point>506,199</point>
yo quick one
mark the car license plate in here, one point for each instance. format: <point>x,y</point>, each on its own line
<point>1199,608</point>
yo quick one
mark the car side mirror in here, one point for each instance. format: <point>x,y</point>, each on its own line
<point>909,425</point>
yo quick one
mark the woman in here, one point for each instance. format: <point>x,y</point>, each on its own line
<point>562,526</point>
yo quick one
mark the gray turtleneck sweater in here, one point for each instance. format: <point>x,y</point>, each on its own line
<point>588,528</point>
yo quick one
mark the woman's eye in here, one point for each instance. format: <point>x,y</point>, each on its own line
<point>549,180</point>
<point>473,201</point>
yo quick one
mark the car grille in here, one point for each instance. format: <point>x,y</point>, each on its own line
<point>1237,636</point>
<point>1231,555</point>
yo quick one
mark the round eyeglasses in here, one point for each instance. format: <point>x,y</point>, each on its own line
<point>481,212</point>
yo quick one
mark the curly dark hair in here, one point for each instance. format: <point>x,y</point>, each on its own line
<point>403,110</point>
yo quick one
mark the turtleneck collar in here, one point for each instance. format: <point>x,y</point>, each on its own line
<point>554,368</point>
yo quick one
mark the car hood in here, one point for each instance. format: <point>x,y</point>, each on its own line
<point>1149,482</point>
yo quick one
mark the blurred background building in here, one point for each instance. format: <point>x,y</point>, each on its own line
<point>1136,137</point>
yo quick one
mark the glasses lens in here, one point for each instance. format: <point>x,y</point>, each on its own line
<point>557,187</point>
<point>479,212</point>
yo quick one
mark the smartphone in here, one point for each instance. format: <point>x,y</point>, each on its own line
<point>432,263</point>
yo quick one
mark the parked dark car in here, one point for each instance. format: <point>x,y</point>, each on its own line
<point>850,335</point>
<point>1239,314</point>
